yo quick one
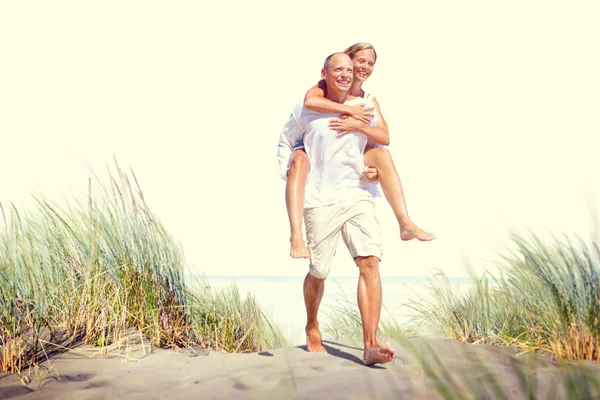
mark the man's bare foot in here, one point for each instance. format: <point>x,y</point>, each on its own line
<point>313,340</point>
<point>298,248</point>
<point>378,355</point>
<point>412,231</point>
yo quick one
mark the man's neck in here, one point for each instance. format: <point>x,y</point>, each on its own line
<point>338,97</point>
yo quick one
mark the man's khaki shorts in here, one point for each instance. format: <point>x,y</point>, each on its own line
<point>354,220</point>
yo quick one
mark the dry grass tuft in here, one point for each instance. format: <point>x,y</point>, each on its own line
<point>547,298</point>
<point>92,270</point>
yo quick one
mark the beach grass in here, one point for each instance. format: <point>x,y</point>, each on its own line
<point>94,269</point>
<point>225,321</point>
<point>546,297</point>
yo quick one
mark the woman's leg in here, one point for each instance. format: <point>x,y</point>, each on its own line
<point>381,159</point>
<point>294,199</point>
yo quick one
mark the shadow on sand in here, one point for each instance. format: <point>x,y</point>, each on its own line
<point>336,352</point>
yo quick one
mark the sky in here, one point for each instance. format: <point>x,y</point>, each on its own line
<point>492,108</point>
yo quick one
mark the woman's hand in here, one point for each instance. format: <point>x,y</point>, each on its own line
<point>361,112</point>
<point>345,125</point>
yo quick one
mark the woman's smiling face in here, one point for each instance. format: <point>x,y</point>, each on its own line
<point>363,61</point>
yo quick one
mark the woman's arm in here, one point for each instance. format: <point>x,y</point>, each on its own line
<point>378,134</point>
<point>380,120</point>
<point>315,100</point>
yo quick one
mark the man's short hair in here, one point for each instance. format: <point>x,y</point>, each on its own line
<point>328,59</point>
<point>355,48</point>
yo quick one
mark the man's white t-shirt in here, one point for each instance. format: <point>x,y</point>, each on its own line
<point>336,164</point>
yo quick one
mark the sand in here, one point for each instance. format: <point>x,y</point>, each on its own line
<point>292,372</point>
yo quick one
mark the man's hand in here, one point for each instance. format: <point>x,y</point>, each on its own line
<point>344,125</point>
<point>361,113</point>
<point>370,174</point>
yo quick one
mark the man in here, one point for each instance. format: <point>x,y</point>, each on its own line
<point>337,202</point>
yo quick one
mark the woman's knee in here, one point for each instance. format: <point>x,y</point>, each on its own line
<point>377,157</point>
<point>300,161</point>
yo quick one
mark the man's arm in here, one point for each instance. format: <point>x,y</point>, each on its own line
<point>370,174</point>
<point>290,134</point>
<point>377,133</point>
<point>315,100</point>
<point>348,125</point>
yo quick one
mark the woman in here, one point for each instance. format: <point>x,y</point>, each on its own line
<point>377,159</point>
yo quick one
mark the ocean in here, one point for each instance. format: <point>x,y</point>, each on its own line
<point>281,297</point>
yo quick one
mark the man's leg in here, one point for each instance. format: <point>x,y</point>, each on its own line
<point>362,236</point>
<point>323,229</point>
<point>294,199</point>
<point>313,293</point>
<point>369,303</point>
<point>381,159</point>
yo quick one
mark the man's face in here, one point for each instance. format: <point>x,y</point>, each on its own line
<point>363,61</point>
<point>338,76</point>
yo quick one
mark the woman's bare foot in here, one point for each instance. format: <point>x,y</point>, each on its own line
<point>411,231</point>
<point>313,340</point>
<point>378,354</point>
<point>298,248</point>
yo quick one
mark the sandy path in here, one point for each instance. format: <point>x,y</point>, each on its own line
<point>289,373</point>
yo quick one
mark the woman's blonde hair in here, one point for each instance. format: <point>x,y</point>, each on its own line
<point>355,48</point>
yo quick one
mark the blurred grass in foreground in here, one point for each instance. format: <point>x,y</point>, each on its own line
<point>457,370</point>
<point>96,269</point>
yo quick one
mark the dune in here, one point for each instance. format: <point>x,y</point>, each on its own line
<point>479,371</point>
